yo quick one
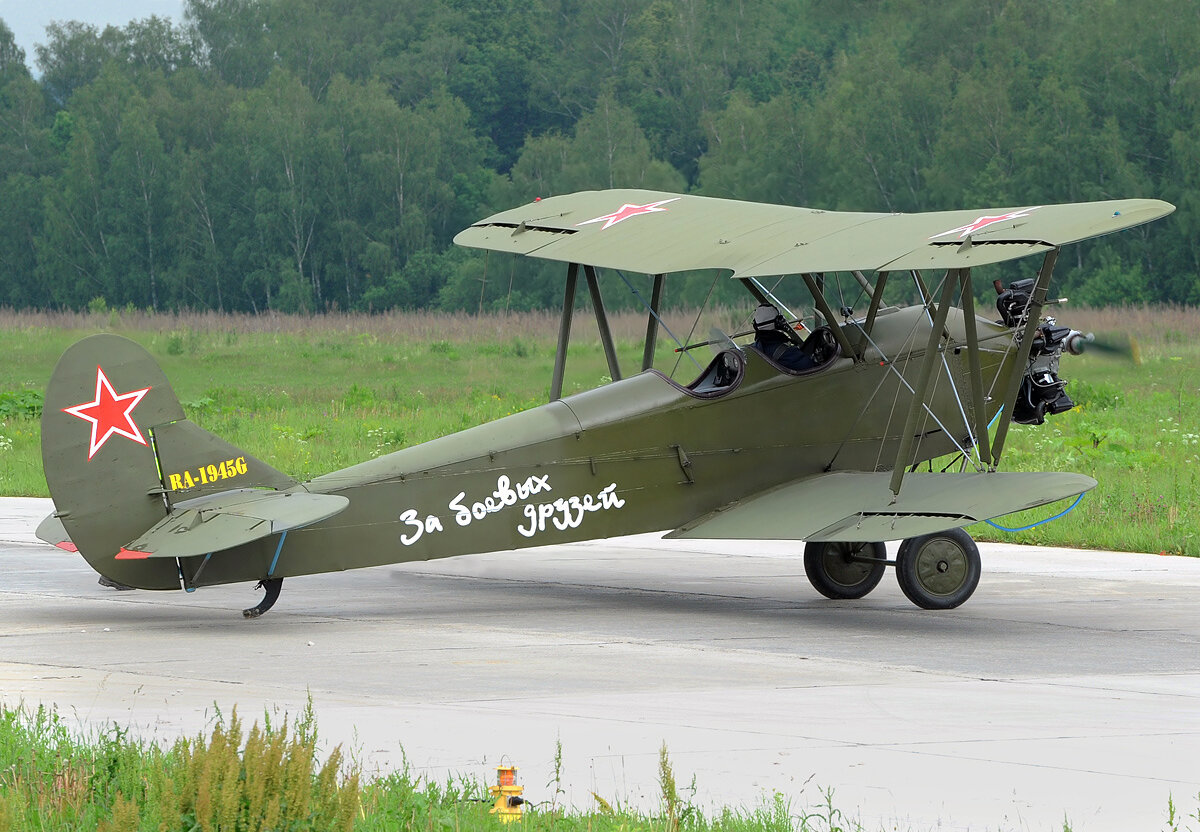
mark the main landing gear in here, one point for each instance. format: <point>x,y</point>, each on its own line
<point>935,571</point>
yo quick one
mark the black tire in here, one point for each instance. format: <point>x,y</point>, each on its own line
<point>938,571</point>
<point>834,574</point>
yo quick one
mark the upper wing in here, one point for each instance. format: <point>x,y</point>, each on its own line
<point>858,505</point>
<point>222,521</point>
<point>656,233</point>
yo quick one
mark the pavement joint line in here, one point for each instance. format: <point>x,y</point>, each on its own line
<point>1125,776</point>
<point>1127,691</point>
<point>1027,739</point>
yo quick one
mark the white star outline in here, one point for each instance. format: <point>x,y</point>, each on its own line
<point>133,397</point>
<point>986,220</point>
<point>626,211</point>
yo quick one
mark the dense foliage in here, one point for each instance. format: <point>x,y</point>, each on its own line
<point>300,155</point>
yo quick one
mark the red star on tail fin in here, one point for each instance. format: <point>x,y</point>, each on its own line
<point>109,413</point>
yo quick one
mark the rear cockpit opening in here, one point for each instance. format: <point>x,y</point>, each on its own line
<point>814,354</point>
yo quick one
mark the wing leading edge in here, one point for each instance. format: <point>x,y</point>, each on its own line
<point>815,508</point>
<point>653,232</point>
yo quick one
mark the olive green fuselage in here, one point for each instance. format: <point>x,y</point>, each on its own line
<point>638,455</point>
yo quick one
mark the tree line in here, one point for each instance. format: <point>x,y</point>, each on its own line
<point>309,155</point>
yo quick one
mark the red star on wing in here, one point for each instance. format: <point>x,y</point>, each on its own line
<point>109,413</point>
<point>626,211</point>
<point>984,222</point>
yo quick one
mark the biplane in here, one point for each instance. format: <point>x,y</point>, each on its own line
<point>749,449</point>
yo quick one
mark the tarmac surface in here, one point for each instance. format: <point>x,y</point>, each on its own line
<point>1066,689</point>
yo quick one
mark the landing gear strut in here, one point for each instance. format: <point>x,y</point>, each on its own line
<point>272,587</point>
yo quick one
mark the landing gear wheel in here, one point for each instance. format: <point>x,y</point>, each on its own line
<point>938,571</point>
<point>833,571</point>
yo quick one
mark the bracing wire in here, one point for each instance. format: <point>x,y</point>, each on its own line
<point>1062,513</point>
<point>696,323</point>
<point>657,317</point>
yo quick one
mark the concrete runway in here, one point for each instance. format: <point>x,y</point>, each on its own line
<point>1067,688</point>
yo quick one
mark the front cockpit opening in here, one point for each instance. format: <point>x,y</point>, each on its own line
<point>721,376</point>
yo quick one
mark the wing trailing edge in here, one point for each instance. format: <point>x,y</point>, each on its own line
<point>815,508</point>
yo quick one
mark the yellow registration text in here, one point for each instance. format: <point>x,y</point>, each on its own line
<point>206,474</point>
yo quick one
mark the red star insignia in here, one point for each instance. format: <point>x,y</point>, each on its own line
<point>626,211</point>
<point>984,222</point>
<point>109,413</point>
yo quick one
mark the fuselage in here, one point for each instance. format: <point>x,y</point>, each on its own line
<point>637,455</point>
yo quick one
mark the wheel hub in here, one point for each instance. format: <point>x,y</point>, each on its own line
<point>942,566</point>
<point>841,566</point>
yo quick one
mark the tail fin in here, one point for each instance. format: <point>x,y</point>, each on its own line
<point>117,449</point>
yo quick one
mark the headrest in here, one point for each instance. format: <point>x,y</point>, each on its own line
<point>765,317</point>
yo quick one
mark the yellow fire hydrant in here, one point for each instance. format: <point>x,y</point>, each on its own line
<point>509,805</point>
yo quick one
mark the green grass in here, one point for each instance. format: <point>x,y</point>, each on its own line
<point>312,395</point>
<point>275,777</point>
<point>280,777</point>
<point>1137,431</point>
<point>312,399</point>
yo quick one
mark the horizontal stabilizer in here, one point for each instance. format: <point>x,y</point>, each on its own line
<point>858,505</point>
<point>52,531</point>
<point>222,521</point>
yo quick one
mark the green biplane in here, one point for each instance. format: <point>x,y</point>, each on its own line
<point>750,449</point>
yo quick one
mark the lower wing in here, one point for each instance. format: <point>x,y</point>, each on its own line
<point>858,505</point>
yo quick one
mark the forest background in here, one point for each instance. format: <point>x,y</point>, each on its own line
<point>311,155</point>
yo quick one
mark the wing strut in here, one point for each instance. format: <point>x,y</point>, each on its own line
<point>976,371</point>
<point>652,323</point>
<point>1033,316</point>
<point>564,326</point>
<point>932,353</point>
<point>876,300</point>
<point>606,340</point>
<point>827,313</point>
<point>564,332</point>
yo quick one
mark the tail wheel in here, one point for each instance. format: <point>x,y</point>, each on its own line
<point>938,571</point>
<point>843,570</point>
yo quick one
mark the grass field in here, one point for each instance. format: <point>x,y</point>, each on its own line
<point>309,395</point>
<point>279,775</point>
